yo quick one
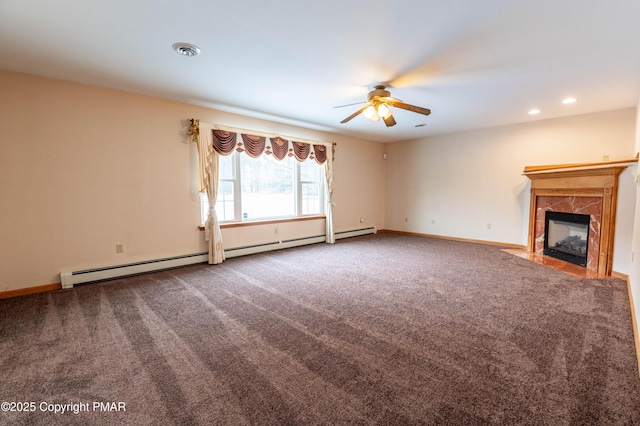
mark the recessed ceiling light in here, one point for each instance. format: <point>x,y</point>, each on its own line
<point>568,101</point>
<point>534,112</point>
<point>186,49</point>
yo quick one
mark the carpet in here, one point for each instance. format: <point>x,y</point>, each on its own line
<point>384,329</point>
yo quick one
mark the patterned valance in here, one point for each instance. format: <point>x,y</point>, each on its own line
<point>226,142</point>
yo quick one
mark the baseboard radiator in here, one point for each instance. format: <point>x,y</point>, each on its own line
<point>277,245</point>
<point>69,279</point>
<point>87,276</point>
<point>355,233</point>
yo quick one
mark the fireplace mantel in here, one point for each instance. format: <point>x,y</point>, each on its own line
<point>586,188</point>
<point>577,167</point>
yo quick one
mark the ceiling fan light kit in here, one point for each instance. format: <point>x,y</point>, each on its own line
<point>371,113</point>
<point>383,110</point>
<point>375,112</point>
<point>378,105</point>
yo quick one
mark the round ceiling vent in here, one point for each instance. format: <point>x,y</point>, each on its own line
<point>186,49</point>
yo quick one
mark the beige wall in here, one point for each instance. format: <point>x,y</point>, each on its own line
<point>84,168</point>
<point>634,273</point>
<point>454,185</point>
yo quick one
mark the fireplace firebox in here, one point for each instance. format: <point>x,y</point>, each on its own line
<point>566,236</point>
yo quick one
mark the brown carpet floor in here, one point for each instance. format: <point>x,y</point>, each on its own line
<point>384,329</point>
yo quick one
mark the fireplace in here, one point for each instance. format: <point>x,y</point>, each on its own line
<point>589,190</point>
<point>566,236</point>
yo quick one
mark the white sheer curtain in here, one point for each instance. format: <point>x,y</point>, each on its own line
<point>208,176</point>
<point>328,172</point>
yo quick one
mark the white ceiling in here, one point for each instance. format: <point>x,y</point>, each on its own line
<point>473,63</point>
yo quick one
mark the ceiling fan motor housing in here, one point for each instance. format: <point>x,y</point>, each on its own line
<point>379,92</point>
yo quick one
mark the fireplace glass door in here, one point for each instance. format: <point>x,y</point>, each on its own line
<point>566,236</point>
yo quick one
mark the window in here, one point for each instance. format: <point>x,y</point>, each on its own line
<point>266,188</point>
<point>311,187</point>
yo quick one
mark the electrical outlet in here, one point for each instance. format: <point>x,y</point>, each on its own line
<point>275,230</point>
<point>605,157</point>
<point>433,221</point>
<point>120,248</point>
<point>361,219</point>
<point>406,219</point>
<point>488,226</point>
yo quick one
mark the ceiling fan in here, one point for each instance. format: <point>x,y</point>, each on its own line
<point>377,107</point>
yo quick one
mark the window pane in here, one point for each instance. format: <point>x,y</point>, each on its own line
<point>311,198</point>
<point>267,188</point>
<point>226,166</point>
<point>224,203</point>
<point>310,171</point>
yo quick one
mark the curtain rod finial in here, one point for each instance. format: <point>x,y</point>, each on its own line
<point>194,129</point>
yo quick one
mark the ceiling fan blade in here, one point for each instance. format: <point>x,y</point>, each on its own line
<point>354,114</point>
<point>413,108</point>
<point>389,120</point>
<point>356,103</point>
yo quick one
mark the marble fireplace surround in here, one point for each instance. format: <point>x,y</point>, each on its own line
<point>589,188</point>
